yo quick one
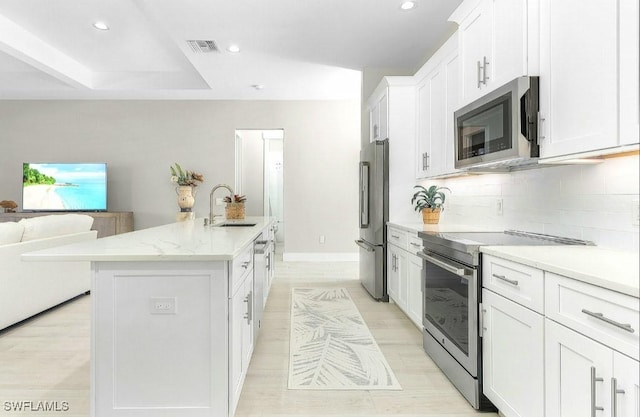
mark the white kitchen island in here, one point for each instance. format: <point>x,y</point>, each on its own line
<point>172,307</point>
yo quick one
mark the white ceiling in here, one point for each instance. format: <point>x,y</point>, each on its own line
<point>296,49</point>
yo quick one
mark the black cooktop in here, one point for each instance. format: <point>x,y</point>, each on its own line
<point>508,238</point>
<point>470,242</point>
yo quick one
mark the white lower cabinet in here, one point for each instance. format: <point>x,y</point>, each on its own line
<point>575,353</point>
<point>393,273</point>
<point>241,339</point>
<point>582,375</point>
<point>626,373</point>
<point>240,325</point>
<point>404,273</point>
<point>578,369</point>
<point>397,276</point>
<point>513,356</point>
<point>414,287</point>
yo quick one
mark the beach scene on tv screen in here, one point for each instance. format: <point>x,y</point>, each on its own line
<point>64,187</point>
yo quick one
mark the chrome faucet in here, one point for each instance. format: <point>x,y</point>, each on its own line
<point>213,190</point>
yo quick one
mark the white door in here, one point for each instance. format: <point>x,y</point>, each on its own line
<point>452,91</point>
<point>629,63</point>
<point>414,278</point>
<point>509,31</point>
<point>393,278</point>
<point>576,367</point>
<point>401,270</point>
<point>578,75</point>
<point>237,308</point>
<point>431,123</point>
<point>513,356</point>
<point>475,47</point>
<point>626,373</point>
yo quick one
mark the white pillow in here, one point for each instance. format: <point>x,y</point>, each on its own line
<point>55,225</point>
<point>10,232</point>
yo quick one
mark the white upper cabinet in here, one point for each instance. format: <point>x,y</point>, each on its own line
<point>393,116</point>
<point>629,67</point>
<point>437,98</point>
<point>588,75</point>
<point>379,118</point>
<point>497,43</point>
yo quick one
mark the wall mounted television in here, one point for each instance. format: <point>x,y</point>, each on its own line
<point>64,187</point>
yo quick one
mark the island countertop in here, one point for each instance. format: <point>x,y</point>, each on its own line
<point>182,241</point>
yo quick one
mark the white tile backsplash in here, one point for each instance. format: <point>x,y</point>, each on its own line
<point>590,202</point>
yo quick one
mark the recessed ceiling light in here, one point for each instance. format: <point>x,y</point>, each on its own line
<point>100,25</point>
<point>257,86</point>
<point>408,5</point>
<point>233,49</point>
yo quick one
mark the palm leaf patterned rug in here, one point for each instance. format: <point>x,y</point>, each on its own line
<point>331,347</point>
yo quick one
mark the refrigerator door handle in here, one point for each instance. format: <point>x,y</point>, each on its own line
<point>364,195</point>
<point>365,245</point>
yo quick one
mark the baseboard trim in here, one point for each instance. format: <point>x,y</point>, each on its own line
<point>320,257</point>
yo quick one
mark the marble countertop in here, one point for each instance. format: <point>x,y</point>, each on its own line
<point>608,268</point>
<point>182,241</point>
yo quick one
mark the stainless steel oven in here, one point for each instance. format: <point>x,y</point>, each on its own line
<point>450,289</point>
<point>452,271</point>
<point>450,318</point>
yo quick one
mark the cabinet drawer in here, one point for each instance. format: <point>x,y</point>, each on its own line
<point>606,316</point>
<point>517,282</point>
<point>415,244</point>
<point>240,267</point>
<point>397,237</point>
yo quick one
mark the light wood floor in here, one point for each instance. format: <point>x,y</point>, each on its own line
<point>48,359</point>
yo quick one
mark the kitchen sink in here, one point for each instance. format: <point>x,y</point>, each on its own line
<point>235,225</point>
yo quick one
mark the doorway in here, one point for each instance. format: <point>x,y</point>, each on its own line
<point>260,174</point>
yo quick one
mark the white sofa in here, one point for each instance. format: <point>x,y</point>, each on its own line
<point>28,288</point>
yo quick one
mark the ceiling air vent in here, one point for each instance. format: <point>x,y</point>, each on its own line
<point>199,46</point>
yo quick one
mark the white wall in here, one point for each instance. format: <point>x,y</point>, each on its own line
<point>140,140</point>
<point>592,202</point>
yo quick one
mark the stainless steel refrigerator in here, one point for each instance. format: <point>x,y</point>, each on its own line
<point>374,214</point>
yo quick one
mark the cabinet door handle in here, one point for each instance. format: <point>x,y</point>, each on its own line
<point>624,326</point>
<point>395,236</point>
<point>415,244</point>
<point>246,264</point>
<point>479,67</point>
<point>484,70</point>
<point>249,300</point>
<point>594,379</point>
<point>505,279</point>
<point>541,120</point>
<point>482,327</point>
<point>425,161</point>
<point>614,397</point>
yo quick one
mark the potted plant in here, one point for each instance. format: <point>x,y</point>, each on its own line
<point>235,206</point>
<point>429,201</point>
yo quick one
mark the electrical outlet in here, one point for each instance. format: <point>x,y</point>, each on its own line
<point>499,207</point>
<point>322,239</point>
<point>635,212</point>
<point>164,305</point>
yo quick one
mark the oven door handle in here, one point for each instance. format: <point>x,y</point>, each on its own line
<point>444,265</point>
<point>365,245</point>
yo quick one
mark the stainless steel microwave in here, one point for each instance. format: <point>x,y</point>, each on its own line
<point>501,128</point>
